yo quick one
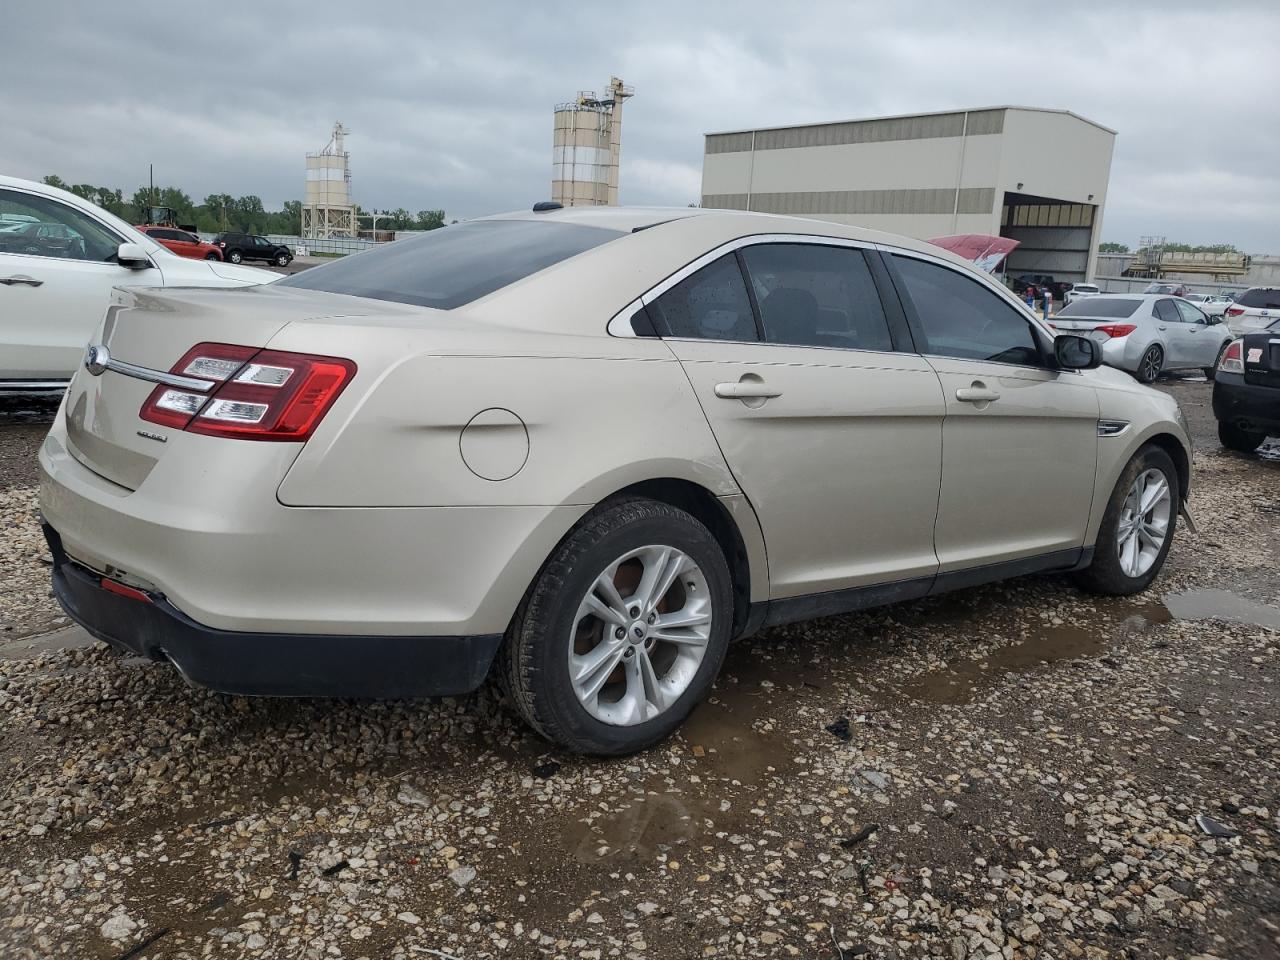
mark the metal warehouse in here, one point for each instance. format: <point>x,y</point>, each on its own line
<point>1035,175</point>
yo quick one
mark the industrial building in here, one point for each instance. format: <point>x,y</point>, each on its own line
<point>1035,175</point>
<point>586,145</point>
<point>327,210</point>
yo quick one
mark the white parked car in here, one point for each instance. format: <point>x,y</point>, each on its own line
<point>60,258</point>
<point>1079,290</point>
<point>1256,309</point>
<point>1146,333</point>
<point>1213,304</point>
<point>586,448</point>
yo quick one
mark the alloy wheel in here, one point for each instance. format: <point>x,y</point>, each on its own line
<point>640,635</point>
<point>1144,522</point>
<point>1151,362</point>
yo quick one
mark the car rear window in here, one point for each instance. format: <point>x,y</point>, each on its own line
<point>1266,298</point>
<point>1101,307</point>
<point>453,265</point>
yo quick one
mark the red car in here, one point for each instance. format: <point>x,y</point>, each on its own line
<point>182,243</point>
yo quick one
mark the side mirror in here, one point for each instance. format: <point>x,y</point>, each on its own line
<point>1076,353</point>
<point>132,256</point>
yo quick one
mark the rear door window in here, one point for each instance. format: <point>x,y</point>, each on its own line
<point>816,295</point>
<point>1166,312</point>
<point>711,304</point>
<point>453,265</point>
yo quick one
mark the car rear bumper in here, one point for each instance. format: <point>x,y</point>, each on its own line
<point>269,664</point>
<point>1246,405</point>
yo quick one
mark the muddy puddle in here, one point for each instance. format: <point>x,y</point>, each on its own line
<point>1208,604</point>
<point>729,754</point>
<point>964,679</point>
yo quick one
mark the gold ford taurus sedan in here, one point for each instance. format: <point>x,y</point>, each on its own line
<point>586,449</point>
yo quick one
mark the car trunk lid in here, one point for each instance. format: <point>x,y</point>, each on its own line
<point>145,332</point>
<point>1262,359</point>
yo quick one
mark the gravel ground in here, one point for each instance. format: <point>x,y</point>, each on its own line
<point>1011,771</point>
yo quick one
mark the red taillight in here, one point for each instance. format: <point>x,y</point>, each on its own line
<point>1235,311</point>
<point>1117,329</point>
<point>1233,360</point>
<point>114,586</point>
<point>251,394</point>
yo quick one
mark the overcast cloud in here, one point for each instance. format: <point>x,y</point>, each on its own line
<point>450,104</point>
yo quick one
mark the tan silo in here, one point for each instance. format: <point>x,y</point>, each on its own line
<point>586,146</point>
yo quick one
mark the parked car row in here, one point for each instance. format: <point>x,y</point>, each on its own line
<point>58,268</point>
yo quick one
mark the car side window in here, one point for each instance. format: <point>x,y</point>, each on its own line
<point>1189,313</point>
<point>711,304</point>
<point>961,318</point>
<point>816,295</point>
<point>1166,312</point>
<point>60,231</point>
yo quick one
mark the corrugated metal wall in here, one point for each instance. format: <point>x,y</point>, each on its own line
<point>808,203</point>
<point>860,131</point>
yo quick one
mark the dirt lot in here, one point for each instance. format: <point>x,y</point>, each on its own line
<point>1011,771</point>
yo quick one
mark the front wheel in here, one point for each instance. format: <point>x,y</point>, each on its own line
<point>235,256</point>
<point>1151,363</point>
<point>623,631</point>
<point>283,259</point>
<point>1137,528</point>
<point>1241,441</point>
<point>1211,372</point>
<point>212,256</point>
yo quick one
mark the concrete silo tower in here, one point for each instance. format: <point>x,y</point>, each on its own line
<point>586,145</point>
<point>327,210</point>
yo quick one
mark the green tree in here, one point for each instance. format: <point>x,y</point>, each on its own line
<point>1112,247</point>
<point>429,220</point>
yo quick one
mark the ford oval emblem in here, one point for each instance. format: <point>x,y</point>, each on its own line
<point>96,359</point>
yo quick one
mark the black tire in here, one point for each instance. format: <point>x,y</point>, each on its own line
<point>1241,441</point>
<point>283,259</point>
<point>212,256</point>
<point>1104,574</point>
<point>1151,364</point>
<point>235,256</point>
<point>1211,372</point>
<point>535,654</point>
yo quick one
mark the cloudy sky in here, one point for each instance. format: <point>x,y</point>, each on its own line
<point>449,104</point>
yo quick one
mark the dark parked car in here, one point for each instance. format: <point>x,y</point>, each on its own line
<point>41,239</point>
<point>1246,391</point>
<point>238,247</point>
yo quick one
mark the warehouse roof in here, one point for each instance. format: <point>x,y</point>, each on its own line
<point>905,116</point>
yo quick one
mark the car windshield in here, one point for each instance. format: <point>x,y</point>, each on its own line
<point>453,265</point>
<point>1261,297</point>
<point>1110,307</point>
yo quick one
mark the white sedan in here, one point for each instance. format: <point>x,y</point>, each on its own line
<point>1213,304</point>
<point>60,258</point>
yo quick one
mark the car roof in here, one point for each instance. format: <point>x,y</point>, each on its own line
<point>741,222</point>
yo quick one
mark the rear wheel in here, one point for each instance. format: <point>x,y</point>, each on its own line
<point>1137,528</point>
<point>1211,372</point>
<point>1242,441</point>
<point>623,631</point>
<point>235,256</point>
<point>1151,363</point>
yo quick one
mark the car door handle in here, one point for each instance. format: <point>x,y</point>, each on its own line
<point>747,390</point>
<point>20,278</point>
<point>1164,328</point>
<point>978,393</point>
